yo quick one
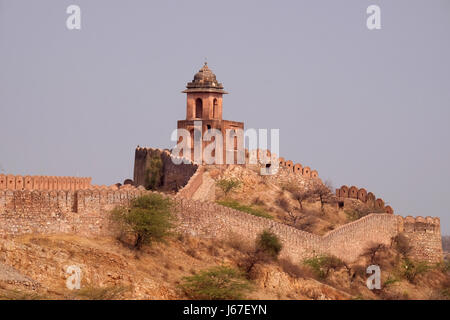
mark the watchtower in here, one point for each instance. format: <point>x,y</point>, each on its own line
<point>204,101</point>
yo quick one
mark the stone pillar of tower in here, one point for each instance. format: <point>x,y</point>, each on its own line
<point>204,101</point>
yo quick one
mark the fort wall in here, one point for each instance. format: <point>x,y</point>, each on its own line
<point>174,176</point>
<point>81,212</point>
<point>424,235</point>
<point>194,183</point>
<point>86,212</point>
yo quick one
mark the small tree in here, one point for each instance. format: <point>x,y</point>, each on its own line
<point>154,173</point>
<point>401,244</point>
<point>217,283</point>
<point>228,185</point>
<point>323,191</point>
<point>268,247</point>
<point>301,195</point>
<point>149,217</point>
<point>293,218</point>
<point>372,250</point>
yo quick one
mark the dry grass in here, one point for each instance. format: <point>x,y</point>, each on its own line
<point>17,294</point>
<point>294,270</point>
<point>99,293</point>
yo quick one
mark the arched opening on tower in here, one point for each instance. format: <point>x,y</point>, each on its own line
<point>215,106</point>
<point>198,108</point>
<point>191,132</point>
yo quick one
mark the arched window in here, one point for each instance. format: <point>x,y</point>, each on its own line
<point>198,108</point>
<point>233,134</point>
<point>192,138</point>
<point>215,106</point>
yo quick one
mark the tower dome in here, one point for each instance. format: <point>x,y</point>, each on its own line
<point>204,81</point>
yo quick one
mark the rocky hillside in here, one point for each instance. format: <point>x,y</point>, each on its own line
<point>36,269</point>
<point>34,266</point>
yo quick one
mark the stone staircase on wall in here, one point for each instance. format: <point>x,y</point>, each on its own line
<point>206,191</point>
<point>193,184</point>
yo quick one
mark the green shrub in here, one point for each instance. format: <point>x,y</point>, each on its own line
<point>228,185</point>
<point>149,217</point>
<point>390,281</point>
<point>358,213</point>
<point>217,283</point>
<point>245,208</point>
<point>154,173</point>
<point>269,243</point>
<point>321,265</point>
<point>410,269</point>
<point>352,215</point>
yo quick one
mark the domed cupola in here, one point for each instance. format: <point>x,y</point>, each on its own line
<point>205,81</point>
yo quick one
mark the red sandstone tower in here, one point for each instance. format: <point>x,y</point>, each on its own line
<point>204,97</point>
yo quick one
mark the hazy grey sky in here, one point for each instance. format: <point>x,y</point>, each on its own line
<point>364,108</point>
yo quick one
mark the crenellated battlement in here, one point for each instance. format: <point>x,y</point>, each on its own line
<point>362,195</point>
<point>411,224</point>
<point>298,168</point>
<point>19,182</point>
<point>424,236</point>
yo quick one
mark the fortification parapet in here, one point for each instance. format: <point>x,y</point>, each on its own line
<point>424,236</point>
<point>298,168</point>
<point>174,176</point>
<point>362,195</point>
<point>44,183</point>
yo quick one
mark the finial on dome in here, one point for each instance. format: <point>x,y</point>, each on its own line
<point>205,81</point>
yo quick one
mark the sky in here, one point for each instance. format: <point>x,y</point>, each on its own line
<point>369,108</point>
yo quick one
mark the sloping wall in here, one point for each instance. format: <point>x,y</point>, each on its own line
<point>86,212</point>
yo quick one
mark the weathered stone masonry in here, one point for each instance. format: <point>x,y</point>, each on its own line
<point>81,212</point>
<point>85,212</point>
<point>174,176</point>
